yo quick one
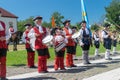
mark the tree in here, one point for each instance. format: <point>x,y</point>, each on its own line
<point>58,18</point>
<point>113,13</point>
<point>46,24</point>
<point>78,25</point>
<point>101,20</point>
<point>22,22</point>
<point>94,27</point>
<point>20,25</point>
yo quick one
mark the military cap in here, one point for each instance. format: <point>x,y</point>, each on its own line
<point>96,30</point>
<point>106,25</point>
<point>66,21</point>
<point>27,24</point>
<point>36,18</point>
<point>83,22</point>
<point>74,27</point>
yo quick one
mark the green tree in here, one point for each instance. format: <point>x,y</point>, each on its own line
<point>22,22</point>
<point>20,25</point>
<point>102,19</point>
<point>113,13</point>
<point>78,25</point>
<point>58,18</point>
<point>46,24</point>
<point>94,27</point>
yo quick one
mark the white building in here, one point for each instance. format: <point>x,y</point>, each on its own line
<point>8,18</point>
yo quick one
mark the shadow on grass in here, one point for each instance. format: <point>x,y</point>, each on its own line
<point>18,65</point>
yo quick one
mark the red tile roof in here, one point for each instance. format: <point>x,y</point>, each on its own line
<point>5,13</point>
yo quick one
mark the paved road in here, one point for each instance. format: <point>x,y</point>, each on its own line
<point>110,75</point>
<point>82,72</point>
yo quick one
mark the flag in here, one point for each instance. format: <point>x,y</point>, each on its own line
<point>53,22</point>
<point>84,16</point>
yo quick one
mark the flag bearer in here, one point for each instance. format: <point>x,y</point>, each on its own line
<point>85,42</point>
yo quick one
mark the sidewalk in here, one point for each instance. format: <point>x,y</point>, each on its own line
<point>110,75</point>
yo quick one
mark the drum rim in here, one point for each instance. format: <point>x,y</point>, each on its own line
<point>47,39</point>
<point>75,35</point>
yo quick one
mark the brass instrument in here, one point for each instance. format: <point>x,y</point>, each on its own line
<point>110,34</point>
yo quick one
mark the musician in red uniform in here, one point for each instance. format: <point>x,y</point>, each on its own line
<point>13,37</point>
<point>30,52</point>
<point>4,36</point>
<point>70,45</point>
<point>39,32</point>
<point>59,55</point>
<point>74,30</point>
<point>11,30</point>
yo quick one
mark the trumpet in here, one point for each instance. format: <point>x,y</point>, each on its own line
<point>109,34</point>
<point>75,35</point>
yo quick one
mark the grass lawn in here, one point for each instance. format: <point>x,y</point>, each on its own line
<point>18,58</point>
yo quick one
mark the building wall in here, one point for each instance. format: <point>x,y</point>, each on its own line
<point>8,21</point>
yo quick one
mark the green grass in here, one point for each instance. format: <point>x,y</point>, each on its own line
<point>18,58</point>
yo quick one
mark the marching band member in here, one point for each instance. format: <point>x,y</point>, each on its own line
<point>59,59</point>
<point>39,32</point>
<point>11,30</point>
<point>96,39</point>
<point>107,41</point>
<point>4,36</point>
<point>70,45</point>
<point>13,34</point>
<point>85,42</point>
<point>30,52</point>
<point>114,41</point>
<point>74,29</point>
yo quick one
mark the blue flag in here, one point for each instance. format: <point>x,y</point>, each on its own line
<point>84,16</point>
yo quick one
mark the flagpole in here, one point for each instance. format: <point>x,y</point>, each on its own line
<point>84,16</point>
<point>84,13</point>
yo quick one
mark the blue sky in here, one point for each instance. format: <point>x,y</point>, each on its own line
<point>70,9</point>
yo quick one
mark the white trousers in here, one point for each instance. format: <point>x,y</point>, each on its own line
<point>107,54</point>
<point>114,50</point>
<point>96,52</point>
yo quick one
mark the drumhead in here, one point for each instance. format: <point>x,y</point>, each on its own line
<point>75,35</point>
<point>47,39</point>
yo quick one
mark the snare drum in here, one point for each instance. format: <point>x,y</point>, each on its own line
<point>47,39</point>
<point>75,35</point>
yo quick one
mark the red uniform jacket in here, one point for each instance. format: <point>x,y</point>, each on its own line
<point>38,42</point>
<point>3,44</point>
<point>27,45</point>
<point>11,29</point>
<point>70,40</point>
